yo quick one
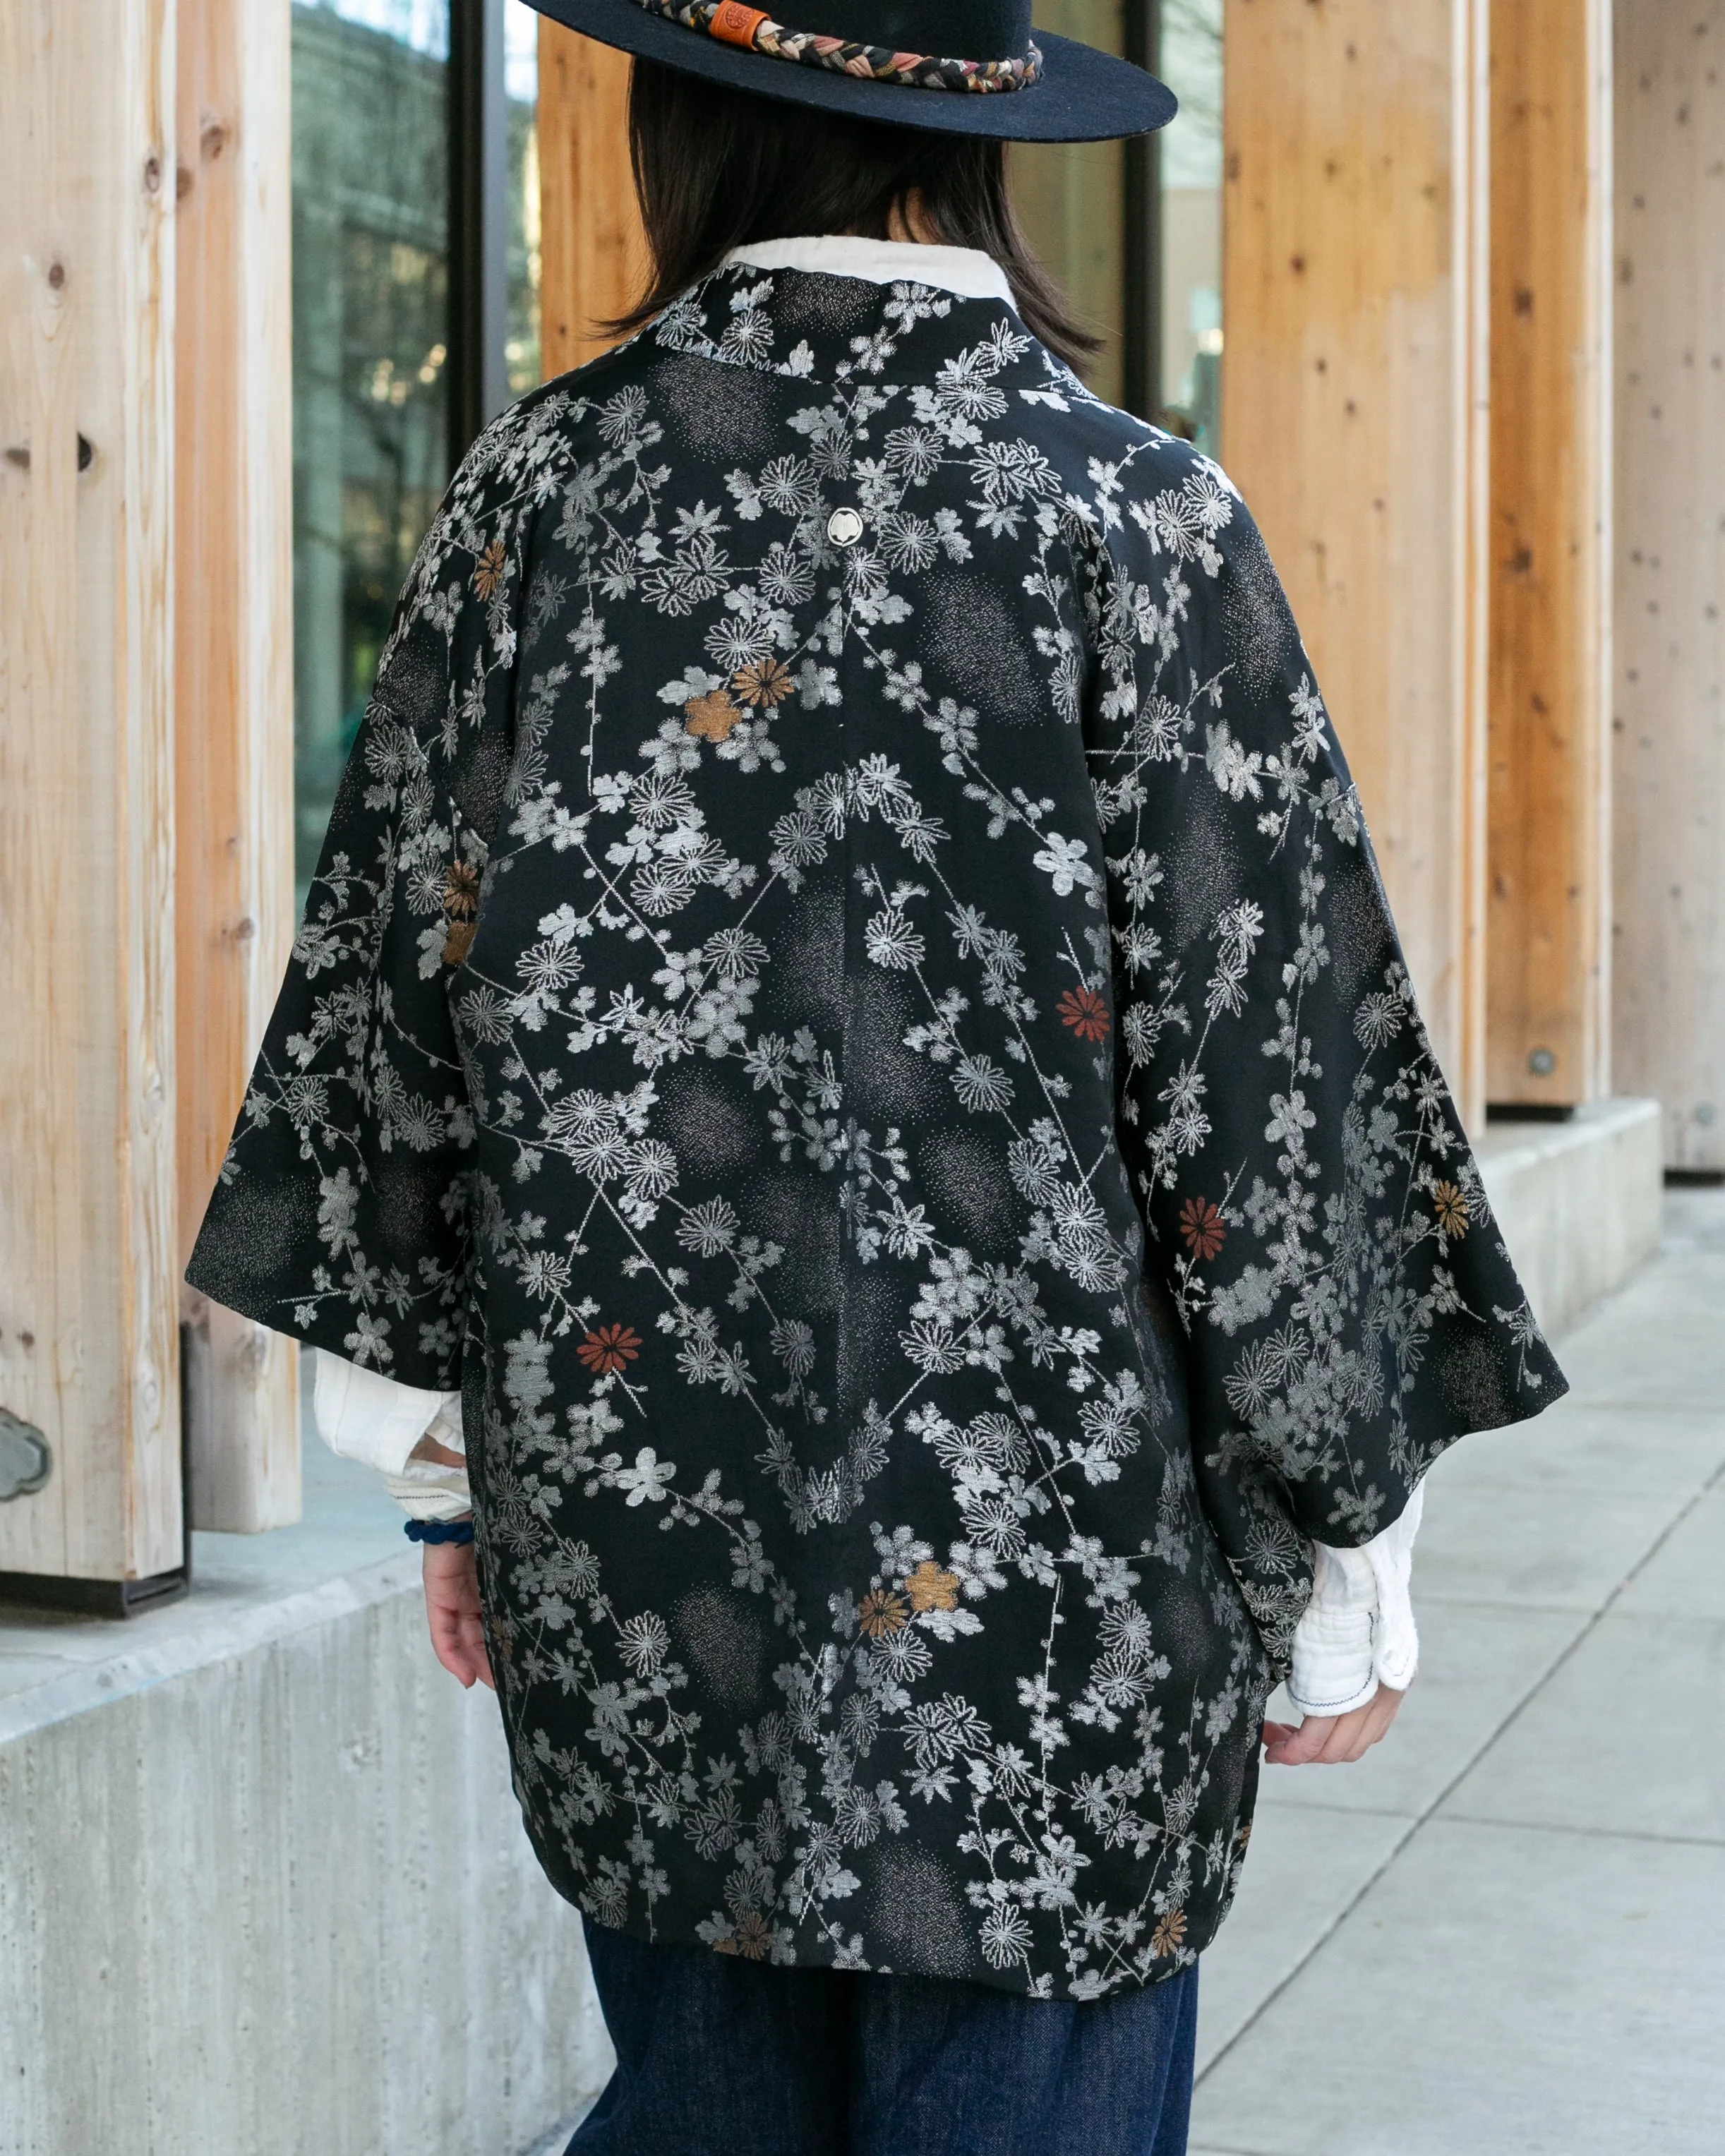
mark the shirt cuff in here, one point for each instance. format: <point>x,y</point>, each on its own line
<point>435,1489</point>
<point>1358,1630</point>
<point>365,1416</point>
<point>426,1490</point>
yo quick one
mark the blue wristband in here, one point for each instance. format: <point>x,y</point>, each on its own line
<point>439,1531</point>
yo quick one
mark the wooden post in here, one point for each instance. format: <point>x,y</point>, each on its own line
<point>1549,937</point>
<point>88,1245</point>
<point>234,883</point>
<point>593,251</point>
<point>1669,1003</point>
<point>1355,421</point>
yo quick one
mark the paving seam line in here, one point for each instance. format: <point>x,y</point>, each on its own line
<point>1588,1833</point>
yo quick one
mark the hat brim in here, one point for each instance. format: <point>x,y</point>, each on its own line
<point>1082,96</point>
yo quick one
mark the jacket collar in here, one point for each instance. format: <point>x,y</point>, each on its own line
<point>963,270</point>
<point>844,310</point>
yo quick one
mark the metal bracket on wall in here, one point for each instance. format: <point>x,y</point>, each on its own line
<point>25,1460</point>
<point>23,1445</point>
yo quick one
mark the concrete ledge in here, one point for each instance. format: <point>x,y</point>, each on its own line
<point>264,1886</point>
<point>1579,1202</point>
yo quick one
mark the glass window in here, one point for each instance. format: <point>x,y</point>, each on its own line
<point>1190,247</point>
<point>1091,209</point>
<point>1070,198</point>
<point>371,343</point>
<point>520,79</point>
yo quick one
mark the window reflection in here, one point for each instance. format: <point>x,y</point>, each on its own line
<point>521,77</point>
<point>1191,217</point>
<point>371,318</point>
<point>1074,202</point>
<point>371,348</point>
<point>1070,198</point>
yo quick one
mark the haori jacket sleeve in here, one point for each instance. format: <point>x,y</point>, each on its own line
<point>340,1216</point>
<point>1313,1212</point>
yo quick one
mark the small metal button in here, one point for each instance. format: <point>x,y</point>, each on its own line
<point>845,527</point>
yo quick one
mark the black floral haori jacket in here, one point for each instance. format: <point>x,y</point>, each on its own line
<point>848,1005</point>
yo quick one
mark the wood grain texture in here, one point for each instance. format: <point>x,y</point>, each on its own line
<point>1669,777</point>
<point>593,252</point>
<point>1547,935</point>
<point>1355,416</point>
<point>89,1345</point>
<point>233,657</point>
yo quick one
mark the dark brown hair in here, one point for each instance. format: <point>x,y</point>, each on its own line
<point>717,168</point>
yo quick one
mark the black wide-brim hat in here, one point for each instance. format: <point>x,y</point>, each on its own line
<point>911,63</point>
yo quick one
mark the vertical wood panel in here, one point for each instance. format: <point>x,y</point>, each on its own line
<point>1548,1017</point>
<point>1669,800</point>
<point>88,1241</point>
<point>1355,419</point>
<point>234,694</point>
<point>593,253</point>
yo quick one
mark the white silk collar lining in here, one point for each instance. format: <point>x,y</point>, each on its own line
<point>965,270</point>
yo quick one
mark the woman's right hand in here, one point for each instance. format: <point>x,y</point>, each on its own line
<point>452,1608</point>
<point>1331,1740</point>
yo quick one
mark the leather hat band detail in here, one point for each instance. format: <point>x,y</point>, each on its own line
<point>734,24</point>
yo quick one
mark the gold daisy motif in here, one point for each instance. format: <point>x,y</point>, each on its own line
<point>460,912</point>
<point>763,681</point>
<point>751,1938</point>
<point>488,575</point>
<point>1451,1211</point>
<point>882,1613</point>
<point>711,718</point>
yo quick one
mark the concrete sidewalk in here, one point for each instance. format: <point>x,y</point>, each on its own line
<point>1503,1932</point>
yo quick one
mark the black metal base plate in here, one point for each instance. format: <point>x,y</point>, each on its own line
<point>94,1597</point>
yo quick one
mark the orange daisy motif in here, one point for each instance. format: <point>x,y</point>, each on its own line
<point>931,1586</point>
<point>711,718</point>
<point>1166,1938</point>
<point>607,1350</point>
<point>488,575</point>
<point>1084,1010</point>
<point>1452,1213</point>
<point>461,911</point>
<point>1203,1226</point>
<point>763,681</point>
<point>883,1613</point>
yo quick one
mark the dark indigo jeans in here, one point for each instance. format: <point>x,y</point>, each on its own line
<point>722,2057</point>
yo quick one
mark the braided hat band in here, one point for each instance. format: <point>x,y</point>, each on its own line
<point>753,29</point>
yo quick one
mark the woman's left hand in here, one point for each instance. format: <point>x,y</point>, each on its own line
<point>1331,1740</point>
<point>452,1606</point>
